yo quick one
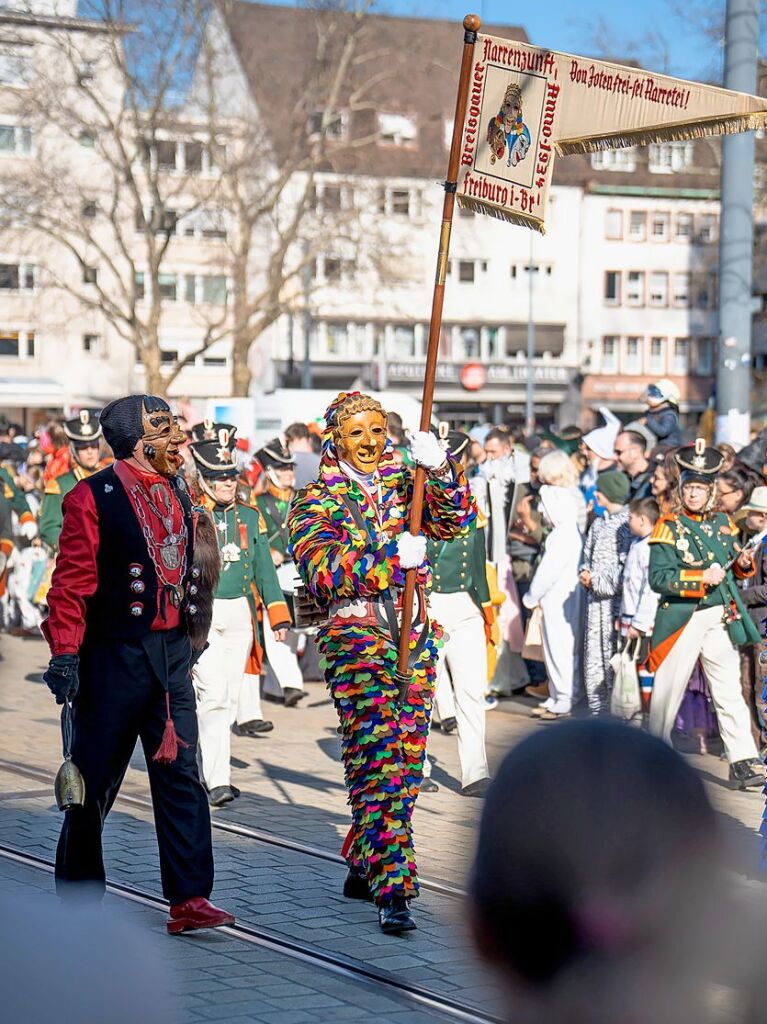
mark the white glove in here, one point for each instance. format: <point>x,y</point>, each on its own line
<point>28,530</point>
<point>411,550</point>
<point>426,450</point>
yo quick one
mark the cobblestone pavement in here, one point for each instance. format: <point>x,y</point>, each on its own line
<point>292,787</point>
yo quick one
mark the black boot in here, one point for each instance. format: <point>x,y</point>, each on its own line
<point>252,728</point>
<point>293,695</point>
<point>394,916</point>
<point>356,887</point>
<point>747,774</point>
<point>220,795</point>
<point>449,725</point>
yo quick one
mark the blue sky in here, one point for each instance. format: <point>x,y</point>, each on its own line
<point>664,41</point>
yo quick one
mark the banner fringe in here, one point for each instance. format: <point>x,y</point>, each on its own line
<point>523,220</point>
<point>724,124</point>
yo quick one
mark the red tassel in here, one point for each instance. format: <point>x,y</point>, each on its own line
<point>167,752</point>
<point>347,843</point>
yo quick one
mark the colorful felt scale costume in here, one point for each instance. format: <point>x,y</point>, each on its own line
<point>344,533</point>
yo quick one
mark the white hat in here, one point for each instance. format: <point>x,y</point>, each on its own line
<point>661,391</point>
<point>757,502</point>
<point>601,440</point>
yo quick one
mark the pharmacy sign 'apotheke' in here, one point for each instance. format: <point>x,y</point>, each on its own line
<point>526,104</point>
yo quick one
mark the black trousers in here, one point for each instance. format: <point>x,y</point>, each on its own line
<point>122,699</point>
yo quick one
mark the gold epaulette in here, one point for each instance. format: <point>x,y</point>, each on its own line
<point>482,519</point>
<point>661,533</point>
<point>52,487</point>
<point>262,527</point>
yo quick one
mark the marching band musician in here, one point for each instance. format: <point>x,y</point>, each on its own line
<point>84,435</point>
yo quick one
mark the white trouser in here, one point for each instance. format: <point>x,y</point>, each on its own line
<point>281,668</point>
<point>463,660</point>
<point>217,684</point>
<point>249,701</point>
<point>704,636</point>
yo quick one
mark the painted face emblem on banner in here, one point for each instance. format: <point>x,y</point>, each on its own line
<point>507,134</point>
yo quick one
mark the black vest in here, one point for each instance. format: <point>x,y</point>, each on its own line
<point>124,605</point>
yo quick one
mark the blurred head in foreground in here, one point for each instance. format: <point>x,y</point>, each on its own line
<point>597,889</point>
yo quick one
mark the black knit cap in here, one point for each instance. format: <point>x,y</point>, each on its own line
<point>122,421</point>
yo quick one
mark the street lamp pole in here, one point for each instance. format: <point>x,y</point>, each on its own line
<point>306,364</point>
<point>529,388</point>
<point>733,370</point>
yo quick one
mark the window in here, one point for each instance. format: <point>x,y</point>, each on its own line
<point>614,160</point>
<point>90,275</point>
<point>89,210</point>
<point>334,124</point>
<point>15,139</point>
<point>681,296</point>
<point>15,66</point>
<point>168,355</point>
<point>707,225</point>
<point>214,289</point>
<point>214,360</point>
<point>16,277</point>
<point>332,268</point>
<point>638,225</point>
<point>400,202</point>
<point>657,355</point>
<point>614,224</point>
<point>680,363</point>
<point>203,224</point>
<point>704,356</point>
<point>609,355</point>
<point>193,157</point>
<point>466,271</point>
<point>684,225</point>
<point>493,343</point>
<point>139,286</point>
<point>331,198</point>
<point>167,152</point>
<point>659,288</point>
<point>91,343</point>
<point>469,343</point>
<point>168,286</point>
<point>30,344</point>
<point>704,295</point>
<point>660,225</point>
<point>612,288</point>
<point>403,343</point>
<point>9,343</point>
<point>635,288</point>
<point>633,360</point>
<point>336,339</point>
<point>397,129</point>
<point>667,157</point>
<point>190,288</point>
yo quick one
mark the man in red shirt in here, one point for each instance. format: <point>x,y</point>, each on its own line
<point>127,605</point>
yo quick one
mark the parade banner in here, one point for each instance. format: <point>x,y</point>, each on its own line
<point>526,104</point>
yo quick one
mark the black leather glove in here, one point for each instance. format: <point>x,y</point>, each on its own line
<point>62,676</point>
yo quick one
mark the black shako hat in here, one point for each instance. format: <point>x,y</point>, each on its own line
<point>698,463</point>
<point>215,460</point>
<point>275,455</point>
<point>84,429</point>
<point>455,442</point>
<point>209,430</point>
<point>122,421</point>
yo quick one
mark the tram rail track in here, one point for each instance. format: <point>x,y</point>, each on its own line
<point>239,829</point>
<point>352,970</point>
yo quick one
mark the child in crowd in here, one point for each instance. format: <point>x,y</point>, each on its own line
<point>639,601</point>
<point>662,416</point>
<point>753,661</point>
<point>604,554</point>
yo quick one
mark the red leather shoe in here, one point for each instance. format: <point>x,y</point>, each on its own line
<point>195,914</point>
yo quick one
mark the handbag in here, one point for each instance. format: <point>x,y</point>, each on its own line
<point>532,649</point>
<point>626,698</point>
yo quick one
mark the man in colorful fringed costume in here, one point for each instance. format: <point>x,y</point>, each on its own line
<point>350,542</point>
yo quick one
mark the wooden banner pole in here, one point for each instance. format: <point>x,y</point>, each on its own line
<point>471,25</point>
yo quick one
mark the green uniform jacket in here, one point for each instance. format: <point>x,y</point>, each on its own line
<point>51,511</point>
<point>253,575</point>
<point>459,565</point>
<point>15,498</point>
<point>275,512</point>
<point>678,559</point>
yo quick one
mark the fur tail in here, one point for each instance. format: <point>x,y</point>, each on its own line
<point>208,560</point>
